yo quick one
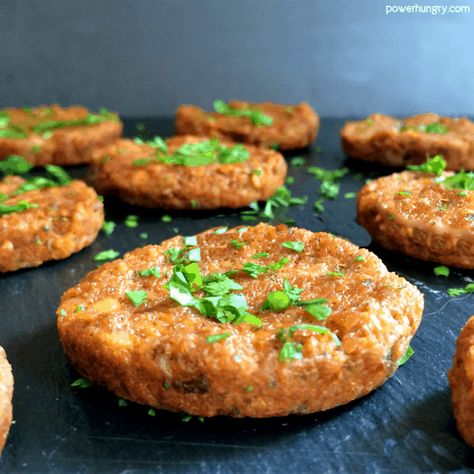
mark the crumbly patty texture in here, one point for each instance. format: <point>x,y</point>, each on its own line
<point>171,186</point>
<point>412,213</point>
<point>66,219</point>
<point>6,393</point>
<point>388,141</point>
<point>294,126</point>
<point>461,380</point>
<point>157,353</point>
<point>70,145</point>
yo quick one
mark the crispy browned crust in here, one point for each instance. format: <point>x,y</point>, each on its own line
<point>67,219</point>
<point>186,187</point>
<point>66,146</point>
<point>461,380</point>
<point>382,139</point>
<point>294,126</point>
<point>157,354</point>
<point>6,393</point>
<point>432,223</point>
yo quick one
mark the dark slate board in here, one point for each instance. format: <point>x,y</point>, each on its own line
<point>405,426</point>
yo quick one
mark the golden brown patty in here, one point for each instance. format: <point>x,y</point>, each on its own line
<point>412,213</point>
<point>6,392</point>
<point>25,132</point>
<point>461,380</point>
<point>158,353</point>
<point>386,140</point>
<point>172,186</point>
<point>66,219</point>
<point>294,126</point>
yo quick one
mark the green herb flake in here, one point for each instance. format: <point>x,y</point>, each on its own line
<point>238,244</point>
<point>153,271</point>
<point>256,172</point>
<point>81,383</point>
<point>469,288</point>
<point>360,258</point>
<point>335,274</point>
<point>404,193</point>
<point>350,195</point>
<point>106,255</point>
<point>435,165</point>
<point>217,337</point>
<point>144,235</point>
<point>15,165</point>
<point>221,230</point>
<point>166,218</point>
<point>257,117</point>
<point>261,255</point>
<point>296,246</point>
<point>137,297</point>
<point>277,301</point>
<point>441,271</point>
<point>151,412</point>
<point>249,388</point>
<point>298,161</point>
<point>108,227</point>
<point>20,206</point>
<point>409,352</point>
<point>122,403</point>
<point>131,221</point>
<point>79,307</point>
<point>289,351</point>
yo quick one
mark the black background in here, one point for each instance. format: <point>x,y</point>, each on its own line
<point>405,426</point>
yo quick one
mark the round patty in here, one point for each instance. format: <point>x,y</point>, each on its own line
<point>461,380</point>
<point>414,214</point>
<point>6,393</point>
<point>65,219</point>
<point>294,126</point>
<point>388,141</point>
<point>170,356</point>
<point>156,184</point>
<point>56,135</point>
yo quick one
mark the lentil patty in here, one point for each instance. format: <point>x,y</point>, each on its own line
<point>66,219</point>
<point>294,126</point>
<point>414,214</point>
<point>6,393</point>
<point>388,141</point>
<point>158,353</point>
<point>42,141</point>
<point>171,186</point>
<point>461,380</point>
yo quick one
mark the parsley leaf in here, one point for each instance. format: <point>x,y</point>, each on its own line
<point>81,383</point>
<point>15,164</point>
<point>137,297</point>
<point>108,227</point>
<point>295,246</point>
<point>153,271</point>
<point>469,288</point>
<point>257,117</point>
<point>441,271</point>
<point>106,255</point>
<point>409,352</point>
<point>217,337</point>
<point>435,165</point>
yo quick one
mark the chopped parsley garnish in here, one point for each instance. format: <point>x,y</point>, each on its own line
<point>277,301</point>
<point>435,165</point>
<point>144,235</point>
<point>190,241</point>
<point>153,271</point>
<point>293,350</point>
<point>404,193</point>
<point>469,288</point>
<point>108,227</point>
<point>329,187</point>
<point>441,271</point>
<point>122,403</point>
<point>350,195</point>
<point>217,337</point>
<point>255,269</point>
<point>198,154</point>
<point>409,352</point>
<point>15,164</point>
<point>298,161</point>
<point>106,255</point>
<point>238,244</point>
<point>218,303</point>
<point>435,127</point>
<point>18,207</point>
<point>261,255</point>
<point>137,297</point>
<point>131,221</point>
<point>256,172</point>
<point>295,246</point>
<point>463,180</point>
<point>90,119</point>
<point>166,218</point>
<point>257,117</point>
<point>221,230</point>
<point>81,383</point>
<point>335,274</point>
<point>151,412</point>
<point>360,258</point>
